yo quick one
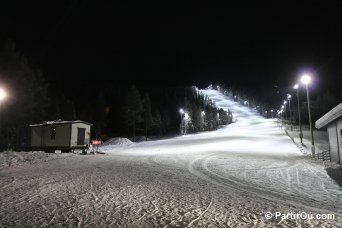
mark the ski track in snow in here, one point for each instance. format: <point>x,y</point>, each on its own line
<point>226,178</point>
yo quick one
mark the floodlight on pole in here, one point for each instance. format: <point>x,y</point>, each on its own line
<point>296,87</point>
<point>306,79</point>
<point>289,99</point>
<point>181,111</point>
<point>285,112</point>
<point>3,96</point>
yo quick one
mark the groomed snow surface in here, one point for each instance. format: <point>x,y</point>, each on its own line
<point>226,178</point>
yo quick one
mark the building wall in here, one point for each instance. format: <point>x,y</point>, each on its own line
<point>41,135</point>
<point>36,136</point>
<point>74,132</point>
<point>334,133</point>
<point>62,137</point>
<point>339,131</point>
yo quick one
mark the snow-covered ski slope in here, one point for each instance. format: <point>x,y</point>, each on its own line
<point>226,178</point>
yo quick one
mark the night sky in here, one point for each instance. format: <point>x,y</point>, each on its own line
<point>94,45</point>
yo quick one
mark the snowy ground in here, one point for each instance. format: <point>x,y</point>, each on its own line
<point>227,178</point>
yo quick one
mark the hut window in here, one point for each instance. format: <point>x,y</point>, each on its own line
<point>53,133</point>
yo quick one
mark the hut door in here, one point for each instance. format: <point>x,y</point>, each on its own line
<point>80,136</point>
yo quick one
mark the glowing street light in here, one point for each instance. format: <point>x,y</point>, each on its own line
<point>285,102</point>
<point>3,96</point>
<point>289,99</point>
<point>203,113</point>
<point>282,115</point>
<point>306,79</point>
<point>296,86</point>
<point>181,111</point>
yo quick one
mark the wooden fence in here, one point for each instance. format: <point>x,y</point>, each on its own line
<point>324,155</point>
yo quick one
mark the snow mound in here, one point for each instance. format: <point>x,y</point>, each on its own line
<point>117,142</point>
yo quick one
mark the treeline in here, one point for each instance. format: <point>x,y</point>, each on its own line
<point>114,110</point>
<point>26,101</point>
<point>152,112</point>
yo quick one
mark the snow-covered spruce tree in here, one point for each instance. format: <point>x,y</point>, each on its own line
<point>147,114</point>
<point>157,122</point>
<point>197,119</point>
<point>133,109</point>
<point>27,102</point>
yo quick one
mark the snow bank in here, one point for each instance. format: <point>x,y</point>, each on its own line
<point>117,142</point>
<point>113,143</point>
<point>15,159</point>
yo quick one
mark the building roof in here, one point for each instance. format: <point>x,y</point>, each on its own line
<point>54,122</point>
<point>332,115</point>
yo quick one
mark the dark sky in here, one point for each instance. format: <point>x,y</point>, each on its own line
<point>95,44</point>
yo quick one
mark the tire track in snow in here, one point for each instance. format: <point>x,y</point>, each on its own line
<point>199,168</point>
<point>196,219</point>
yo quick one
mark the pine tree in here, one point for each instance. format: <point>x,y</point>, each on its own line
<point>157,122</point>
<point>133,109</point>
<point>28,100</point>
<point>147,114</point>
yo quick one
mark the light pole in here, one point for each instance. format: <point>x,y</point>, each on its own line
<point>285,102</point>
<point>282,114</point>
<point>181,111</point>
<point>281,118</point>
<point>272,113</point>
<point>299,120</point>
<point>289,99</point>
<point>306,79</point>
